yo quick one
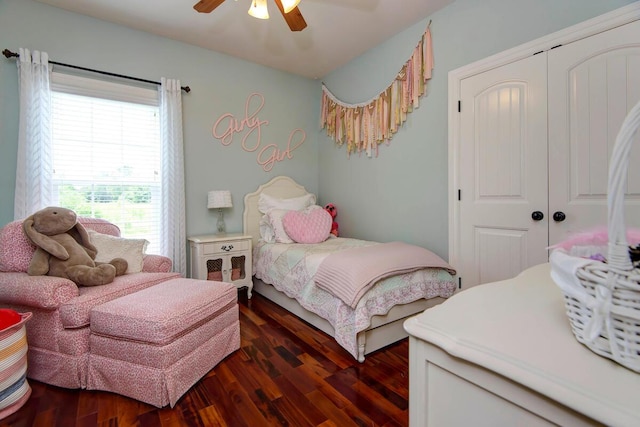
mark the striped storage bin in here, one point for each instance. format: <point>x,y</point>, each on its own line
<point>14,388</point>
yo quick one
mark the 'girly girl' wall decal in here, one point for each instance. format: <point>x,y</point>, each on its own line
<point>227,126</point>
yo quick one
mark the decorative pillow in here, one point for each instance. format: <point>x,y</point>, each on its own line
<point>266,230</point>
<point>266,202</point>
<point>274,218</point>
<point>308,226</point>
<point>110,247</point>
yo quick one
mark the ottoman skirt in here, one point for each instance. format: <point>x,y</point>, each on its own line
<point>154,345</point>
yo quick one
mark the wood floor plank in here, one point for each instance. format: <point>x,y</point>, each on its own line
<point>258,345</point>
<point>250,377</point>
<point>216,393</point>
<point>287,373</point>
<point>299,401</point>
<point>361,396</point>
<point>331,411</point>
<point>87,405</point>
<point>172,418</point>
<point>210,416</point>
<point>245,409</point>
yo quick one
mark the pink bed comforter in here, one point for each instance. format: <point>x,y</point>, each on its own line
<point>352,272</point>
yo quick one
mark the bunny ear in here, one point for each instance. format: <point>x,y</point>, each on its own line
<point>42,241</point>
<point>85,240</point>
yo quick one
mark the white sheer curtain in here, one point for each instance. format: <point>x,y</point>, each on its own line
<point>34,170</point>
<point>172,210</point>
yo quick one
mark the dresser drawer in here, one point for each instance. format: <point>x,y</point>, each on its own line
<point>225,247</point>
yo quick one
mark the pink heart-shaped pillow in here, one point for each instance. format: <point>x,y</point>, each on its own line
<point>307,226</point>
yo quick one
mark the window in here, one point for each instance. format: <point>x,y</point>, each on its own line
<point>106,153</point>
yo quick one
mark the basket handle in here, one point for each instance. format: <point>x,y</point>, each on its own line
<point>618,166</point>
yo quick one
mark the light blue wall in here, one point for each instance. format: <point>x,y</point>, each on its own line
<point>220,84</point>
<point>402,194</point>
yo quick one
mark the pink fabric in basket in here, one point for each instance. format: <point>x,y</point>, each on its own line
<point>308,226</point>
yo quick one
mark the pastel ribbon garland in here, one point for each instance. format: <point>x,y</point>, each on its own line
<point>365,125</point>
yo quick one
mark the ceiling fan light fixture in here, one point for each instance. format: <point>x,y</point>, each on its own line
<point>258,9</point>
<point>289,5</point>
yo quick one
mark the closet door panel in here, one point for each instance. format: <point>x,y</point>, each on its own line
<point>503,171</point>
<point>593,83</point>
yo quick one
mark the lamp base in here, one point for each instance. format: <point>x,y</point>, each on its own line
<point>220,224</point>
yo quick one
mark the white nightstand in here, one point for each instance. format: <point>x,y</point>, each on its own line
<point>222,257</point>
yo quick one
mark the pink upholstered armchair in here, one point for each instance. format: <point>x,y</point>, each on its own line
<point>58,332</point>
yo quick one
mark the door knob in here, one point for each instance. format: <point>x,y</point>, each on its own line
<point>559,216</point>
<point>537,216</point>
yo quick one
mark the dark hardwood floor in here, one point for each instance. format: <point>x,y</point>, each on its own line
<point>286,373</point>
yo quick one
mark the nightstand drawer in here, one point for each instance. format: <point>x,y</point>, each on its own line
<point>225,247</point>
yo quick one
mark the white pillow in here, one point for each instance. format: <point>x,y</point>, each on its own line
<point>266,202</point>
<point>110,247</point>
<point>274,219</point>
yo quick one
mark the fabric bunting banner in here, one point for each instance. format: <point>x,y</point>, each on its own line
<point>365,125</point>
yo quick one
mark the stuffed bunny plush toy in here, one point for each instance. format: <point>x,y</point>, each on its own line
<point>63,249</point>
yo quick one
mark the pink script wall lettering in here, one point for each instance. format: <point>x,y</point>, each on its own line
<point>250,127</point>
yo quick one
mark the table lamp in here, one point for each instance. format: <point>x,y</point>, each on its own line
<point>219,199</point>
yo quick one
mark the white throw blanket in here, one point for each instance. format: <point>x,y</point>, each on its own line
<point>350,273</point>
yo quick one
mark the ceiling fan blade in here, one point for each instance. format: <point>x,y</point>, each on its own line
<point>207,6</point>
<point>294,18</point>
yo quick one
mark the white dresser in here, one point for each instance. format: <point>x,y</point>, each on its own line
<point>503,354</point>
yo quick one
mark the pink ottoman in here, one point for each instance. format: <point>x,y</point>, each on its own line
<point>154,344</point>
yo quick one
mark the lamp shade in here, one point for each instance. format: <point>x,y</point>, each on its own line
<point>219,199</point>
<point>258,9</point>
<point>289,5</point>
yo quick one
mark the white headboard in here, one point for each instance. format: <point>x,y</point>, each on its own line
<point>282,187</point>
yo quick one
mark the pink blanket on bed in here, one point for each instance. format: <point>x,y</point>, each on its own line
<point>350,273</point>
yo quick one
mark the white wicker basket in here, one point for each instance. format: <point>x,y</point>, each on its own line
<point>602,300</point>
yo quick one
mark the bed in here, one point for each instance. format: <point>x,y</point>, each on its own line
<point>375,321</point>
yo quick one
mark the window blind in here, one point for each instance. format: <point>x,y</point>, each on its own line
<point>106,153</point>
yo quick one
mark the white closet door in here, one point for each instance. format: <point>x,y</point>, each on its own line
<point>503,171</point>
<point>593,83</point>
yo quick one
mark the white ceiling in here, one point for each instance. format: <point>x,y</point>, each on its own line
<point>337,31</point>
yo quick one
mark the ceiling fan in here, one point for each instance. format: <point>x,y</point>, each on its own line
<point>288,9</point>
